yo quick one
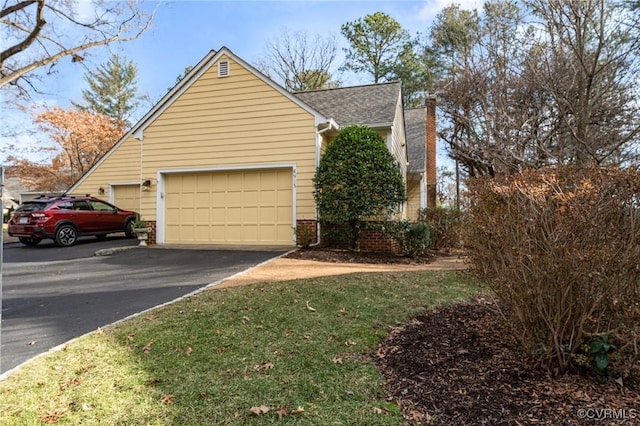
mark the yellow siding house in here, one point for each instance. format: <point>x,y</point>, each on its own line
<point>228,156</point>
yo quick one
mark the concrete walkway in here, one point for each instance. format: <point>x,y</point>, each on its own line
<point>284,269</point>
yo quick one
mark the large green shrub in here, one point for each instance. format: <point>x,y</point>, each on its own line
<point>561,248</point>
<point>413,239</point>
<point>357,179</point>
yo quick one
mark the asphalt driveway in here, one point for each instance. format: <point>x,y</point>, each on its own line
<point>51,295</point>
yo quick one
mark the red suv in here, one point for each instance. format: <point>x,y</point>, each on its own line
<point>65,218</point>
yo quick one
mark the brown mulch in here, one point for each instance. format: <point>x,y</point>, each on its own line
<point>460,365</point>
<point>350,256</point>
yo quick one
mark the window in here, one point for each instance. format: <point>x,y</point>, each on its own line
<point>101,207</point>
<point>81,205</point>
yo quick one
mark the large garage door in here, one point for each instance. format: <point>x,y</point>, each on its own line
<point>240,207</point>
<point>126,197</point>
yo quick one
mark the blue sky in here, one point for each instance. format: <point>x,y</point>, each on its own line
<point>183,32</point>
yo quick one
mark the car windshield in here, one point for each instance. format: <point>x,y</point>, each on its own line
<point>32,206</point>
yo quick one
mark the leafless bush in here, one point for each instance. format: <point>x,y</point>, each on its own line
<point>445,226</point>
<point>562,248</point>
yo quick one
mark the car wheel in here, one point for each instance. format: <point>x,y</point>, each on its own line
<point>30,241</point>
<point>66,235</point>
<point>128,229</point>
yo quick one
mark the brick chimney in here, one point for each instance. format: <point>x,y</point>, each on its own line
<point>430,104</point>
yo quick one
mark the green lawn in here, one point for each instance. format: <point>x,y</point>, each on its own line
<point>302,349</point>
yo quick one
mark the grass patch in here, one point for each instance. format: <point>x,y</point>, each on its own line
<point>211,358</point>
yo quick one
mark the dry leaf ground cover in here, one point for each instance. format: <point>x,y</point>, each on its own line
<point>294,352</point>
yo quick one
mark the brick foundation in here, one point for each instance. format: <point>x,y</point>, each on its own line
<point>306,233</point>
<point>369,240</point>
<point>152,235</point>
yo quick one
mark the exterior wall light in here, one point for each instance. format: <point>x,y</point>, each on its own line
<point>146,185</point>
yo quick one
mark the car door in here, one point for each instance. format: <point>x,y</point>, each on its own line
<point>106,217</point>
<point>78,212</point>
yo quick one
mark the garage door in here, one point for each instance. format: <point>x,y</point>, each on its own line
<point>126,196</point>
<point>240,207</point>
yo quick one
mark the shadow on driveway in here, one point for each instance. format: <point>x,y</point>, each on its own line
<point>47,304</point>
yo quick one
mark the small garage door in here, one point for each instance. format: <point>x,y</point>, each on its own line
<point>126,197</point>
<point>239,207</point>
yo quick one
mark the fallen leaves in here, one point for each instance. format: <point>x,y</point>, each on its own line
<point>74,381</point>
<point>52,417</point>
<point>188,351</point>
<point>309,307</point>
<point>147,348</point>
<point>284,411</point>
<point>258,411</point>
<point>264,366</point>
<point>168,399</point>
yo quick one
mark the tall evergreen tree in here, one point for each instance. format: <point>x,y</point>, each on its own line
<point>375,44</point>
<point>381,48</point>
<point>113,90</point>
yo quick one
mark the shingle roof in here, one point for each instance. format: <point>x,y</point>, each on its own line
<point>415,121</point>
<point>361,105</point>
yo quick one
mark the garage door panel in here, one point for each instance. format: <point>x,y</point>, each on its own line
<point>284,180</point>
<point>234,215</point>
<point>250,233</point>
<point>252,181</point>
<point>242,207</point>
<point>187,200</point>
<point>202,215</point>
<point>283,214</point>
<point>203,233</point>
<point>267,197</point>
<point>233,199</point>
<point>216,199</point>
<point>217,232</point>
<point>172,198</point>
<point>282,233</point>
<point>267,215</point>
<point>172,232</point>
<point>173,216</point>
<point>218,215</point>
<point>268,233</point>
<point>250,215</point>
<point>282,199</point>
<point>235,181</point>
<point>203,184</point>
<point>250,198</point>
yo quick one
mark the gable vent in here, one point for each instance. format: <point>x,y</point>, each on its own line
<point>223,69</point>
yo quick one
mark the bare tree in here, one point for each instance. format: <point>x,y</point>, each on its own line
<point>559,88</point>
<point>590,70</point>
<point>39,33</point>
<point>299,61</point>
